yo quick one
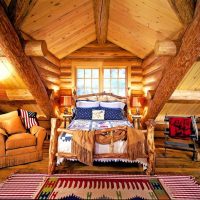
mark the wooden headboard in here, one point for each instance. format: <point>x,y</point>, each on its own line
<point>104,96</point>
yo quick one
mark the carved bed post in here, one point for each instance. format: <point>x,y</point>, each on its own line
<point>53,145</point>
<point>151,146</point>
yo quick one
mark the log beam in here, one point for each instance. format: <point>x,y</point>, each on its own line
<point>185,95</point>
<point>165,48</point>
<point>101,15</point>
<point>11,47</point>
<point>39,48</point>
<point>19,9</point>
<point>176,68</point>
<point>184,10</point>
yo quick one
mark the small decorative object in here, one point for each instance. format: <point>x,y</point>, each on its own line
<point>66,101</point>
<point>98,114</point>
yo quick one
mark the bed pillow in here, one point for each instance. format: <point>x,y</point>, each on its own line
<point>98,114</point>
<point>113,114</point>
<point>83,113</point>
<point>112,104</point>
<point>87,104</point>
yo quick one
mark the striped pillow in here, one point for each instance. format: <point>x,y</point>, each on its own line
<point>28,117</point>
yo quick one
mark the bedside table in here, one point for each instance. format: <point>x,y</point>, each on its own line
<point>136,121</point>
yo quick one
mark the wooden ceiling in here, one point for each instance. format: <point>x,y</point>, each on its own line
<point>133,25</point>
<point>185,101</point>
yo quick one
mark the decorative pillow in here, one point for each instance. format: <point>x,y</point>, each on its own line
<point>13,125</point>
<point>83,113</point>
<point>113,114</point>
<point>112,104</point>
<point>98,114</point>
<point>28,117</point>
<point>87,104</point>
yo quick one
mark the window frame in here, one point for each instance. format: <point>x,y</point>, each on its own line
<point>101,75</point>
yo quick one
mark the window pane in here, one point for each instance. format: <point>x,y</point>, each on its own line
<point>87,83</point>
<point>80,83</point>
<point>122,92</point>
<point>114,91</point>
<point>106,73</point>
<point>95,83</point>
<point>88,91</point>
<point>114,83</point>
<point>106,83</point>
<point>121,83</point>
<point>95,90</point>
<point>80,91</point>
<point>114,73</point>
<point>106,90</point>
<point>88,73</point>
<point>80,73</point>
<point>95,73</point>
<point>122,73</point>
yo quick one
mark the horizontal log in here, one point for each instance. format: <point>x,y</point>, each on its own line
<point>45,64</point>
<point>39,48</point>
<point>17,102</point>
<point>136,78</point>
<point>136,86</point>
<point>185,95</point>
<point>16,94</point>
<point>149,59</point>
<point>44,72</point>
<point>54,80</point>
<point>66,85</point>
<point>184,101</point>
<point>103,62</point>
<point>165,48</point>
<point>50,85</point>
<point>155,77</point>
<point>65,77</point>
<point>137,93</point>
<point>66,70</point>
<point>156,65</point>
<point>136,71</point>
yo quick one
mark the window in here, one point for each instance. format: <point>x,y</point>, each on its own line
<point>93,80</point>
<point>115,81</point>
<point>87,81</point>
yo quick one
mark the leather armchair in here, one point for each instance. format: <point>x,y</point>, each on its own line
<point>20,147</point>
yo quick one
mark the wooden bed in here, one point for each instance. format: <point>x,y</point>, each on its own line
<point>56,131</point>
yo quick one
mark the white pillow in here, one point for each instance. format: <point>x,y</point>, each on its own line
<point>87,104</point>
<point>112,105</point>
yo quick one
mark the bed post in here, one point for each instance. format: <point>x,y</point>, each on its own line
<point>53,145</point>
<point>151,146</point>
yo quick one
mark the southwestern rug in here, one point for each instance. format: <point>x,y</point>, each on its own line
<point>99,186</point>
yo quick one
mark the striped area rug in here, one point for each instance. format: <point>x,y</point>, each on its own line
<point>28,186</point>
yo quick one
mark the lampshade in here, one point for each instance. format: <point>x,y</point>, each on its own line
<point>65,100</point>
<point>135,102</point>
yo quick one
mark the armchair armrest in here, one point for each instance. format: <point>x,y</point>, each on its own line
<point>40,134</point>
<point>2,144</point>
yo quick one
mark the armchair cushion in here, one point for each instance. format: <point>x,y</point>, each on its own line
<point>12,125</point>
<point>3,132</point>
<point>20,140</point>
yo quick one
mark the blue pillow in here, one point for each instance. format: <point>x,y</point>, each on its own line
<point>113,113</point>
<point>84,113</point>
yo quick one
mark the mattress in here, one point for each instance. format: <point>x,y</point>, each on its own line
<point>64,140</point>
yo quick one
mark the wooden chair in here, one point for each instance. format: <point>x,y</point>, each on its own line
<point>184,140</point>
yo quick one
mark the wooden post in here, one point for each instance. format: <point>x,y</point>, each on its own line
<point>101,15</point>
<point>53,145</point>
<point>12,49</point>
<point>151,146</point>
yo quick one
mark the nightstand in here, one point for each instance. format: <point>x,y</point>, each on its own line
<point>136,121</point>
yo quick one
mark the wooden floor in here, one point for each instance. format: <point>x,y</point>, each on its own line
<point>176,162</point>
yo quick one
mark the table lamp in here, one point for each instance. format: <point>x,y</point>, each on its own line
<point>136,103</point>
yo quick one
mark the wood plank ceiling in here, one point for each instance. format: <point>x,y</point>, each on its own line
<point>133,25</point>
<point>185,101</point>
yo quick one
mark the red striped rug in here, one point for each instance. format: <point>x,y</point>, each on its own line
<point>99,186</point>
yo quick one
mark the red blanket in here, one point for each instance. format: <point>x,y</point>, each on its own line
<point>180,127</point>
